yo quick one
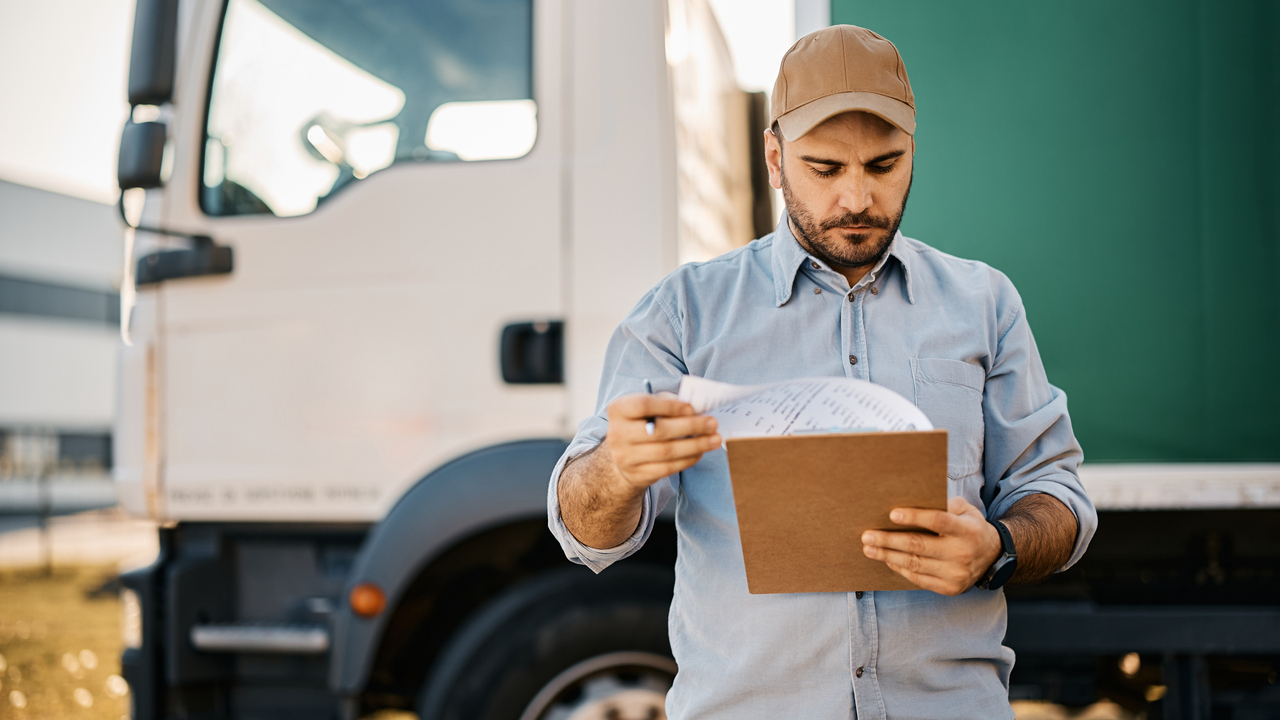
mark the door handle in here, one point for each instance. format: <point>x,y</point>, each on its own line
<point>203,258</point>
<point>533,353</point>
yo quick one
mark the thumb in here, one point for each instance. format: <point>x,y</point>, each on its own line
<point>959,506</point>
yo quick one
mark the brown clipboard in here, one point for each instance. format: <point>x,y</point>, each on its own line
<point>804,501</point>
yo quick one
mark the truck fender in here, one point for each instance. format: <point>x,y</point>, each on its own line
<point>482,489</point>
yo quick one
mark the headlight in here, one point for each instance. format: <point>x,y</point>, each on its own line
<point>130,619</point>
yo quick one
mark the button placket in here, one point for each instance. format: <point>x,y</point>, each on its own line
<point>847,338</point>
<point>858,353</point>
<point>867,698</point>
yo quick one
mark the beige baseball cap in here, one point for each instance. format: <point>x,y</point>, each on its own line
<point>838,69</point>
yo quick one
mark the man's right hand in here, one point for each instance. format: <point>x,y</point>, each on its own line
<point>601,492</point>
<point>679,437</point>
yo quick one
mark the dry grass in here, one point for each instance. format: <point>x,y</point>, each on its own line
<point>61,646</point>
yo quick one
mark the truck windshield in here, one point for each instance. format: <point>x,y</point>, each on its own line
<point>309,95</point>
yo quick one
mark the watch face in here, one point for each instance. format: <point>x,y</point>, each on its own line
<point>1004,570</point>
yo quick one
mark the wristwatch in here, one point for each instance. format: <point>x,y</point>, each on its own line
<point>1005,565</point>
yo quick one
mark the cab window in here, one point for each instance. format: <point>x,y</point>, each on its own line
<point>309,96</point>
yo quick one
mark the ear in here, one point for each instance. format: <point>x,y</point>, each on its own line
<point>773,158</point>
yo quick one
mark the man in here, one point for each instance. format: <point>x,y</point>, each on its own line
<point>835,290</point>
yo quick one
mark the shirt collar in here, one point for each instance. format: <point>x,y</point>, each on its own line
<point>788,256</point>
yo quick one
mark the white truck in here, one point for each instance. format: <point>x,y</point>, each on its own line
<point>382,247</point>
<point>379,249</point>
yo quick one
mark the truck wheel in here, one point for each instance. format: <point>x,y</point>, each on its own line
<point>564,646</point>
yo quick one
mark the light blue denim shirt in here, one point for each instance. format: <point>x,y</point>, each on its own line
<point>950,335</point>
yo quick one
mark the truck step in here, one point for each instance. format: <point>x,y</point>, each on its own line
<point>261,638</point>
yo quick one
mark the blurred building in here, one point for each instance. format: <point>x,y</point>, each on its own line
<point>59,326</point>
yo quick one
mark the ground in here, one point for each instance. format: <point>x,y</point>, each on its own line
<point>60,645</point>
<point>60,627</point>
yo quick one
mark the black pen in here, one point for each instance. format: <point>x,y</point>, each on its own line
<point>649,422</point>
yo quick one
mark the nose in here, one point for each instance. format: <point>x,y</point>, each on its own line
<point>855,192</point>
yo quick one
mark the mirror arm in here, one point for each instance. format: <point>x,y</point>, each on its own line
<point>158,231</point>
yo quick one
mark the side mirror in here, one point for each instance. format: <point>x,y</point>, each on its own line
<point>152,56</point>
<point>141,155</point>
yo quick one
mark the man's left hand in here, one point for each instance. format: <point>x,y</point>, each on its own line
<point>949,563</point>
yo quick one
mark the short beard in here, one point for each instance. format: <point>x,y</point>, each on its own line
<point>849,253</point>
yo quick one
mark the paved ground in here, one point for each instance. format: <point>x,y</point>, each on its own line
<point>99,537</point>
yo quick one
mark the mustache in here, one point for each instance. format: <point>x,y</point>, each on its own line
<point>862,218</point>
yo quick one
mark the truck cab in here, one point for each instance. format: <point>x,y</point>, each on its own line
<point>376,251</point>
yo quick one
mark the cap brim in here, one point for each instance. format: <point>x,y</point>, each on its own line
<point>806,117</point>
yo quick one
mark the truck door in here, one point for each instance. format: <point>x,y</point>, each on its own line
<point>387,174</point>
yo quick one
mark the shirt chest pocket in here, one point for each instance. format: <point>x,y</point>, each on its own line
<point>949,392</point>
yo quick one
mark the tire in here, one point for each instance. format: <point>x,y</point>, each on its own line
<point>563,646</point>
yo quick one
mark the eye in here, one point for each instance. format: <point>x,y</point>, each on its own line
<point>825,173</point>
<point>880,169</point>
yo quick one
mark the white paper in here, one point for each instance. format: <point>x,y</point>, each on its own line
<point>807,405</point>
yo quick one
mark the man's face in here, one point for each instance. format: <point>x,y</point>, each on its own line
<point>845,183</point>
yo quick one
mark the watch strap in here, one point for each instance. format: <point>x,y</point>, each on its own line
<point>1005,565</point>
<point>1006,539</point>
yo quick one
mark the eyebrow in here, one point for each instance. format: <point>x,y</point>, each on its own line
<point>837,163</point>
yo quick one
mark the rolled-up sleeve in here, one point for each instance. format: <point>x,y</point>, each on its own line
<point>1029,445</point>
<point>645,346</point>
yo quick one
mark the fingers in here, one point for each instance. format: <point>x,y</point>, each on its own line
<point>948,563</point>
<point>629,414</point>
<point>679,439</point>
<point>907,561</point>
<point>910,543</point>
<point>945,577</point>
<point>664,428</point>
<point>641,464</point>
<point>642,405</point>
<point>939,521</point>
<point>668,451</point>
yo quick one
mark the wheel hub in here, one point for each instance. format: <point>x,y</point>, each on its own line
<point>613,686</point>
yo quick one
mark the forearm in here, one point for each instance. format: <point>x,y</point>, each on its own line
<point>599,508</point>
<point>1044,534</point>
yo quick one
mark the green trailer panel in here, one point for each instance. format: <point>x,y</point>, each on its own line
<point>1118,160</point>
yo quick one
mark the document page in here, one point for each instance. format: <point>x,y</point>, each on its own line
<point>796,407</point>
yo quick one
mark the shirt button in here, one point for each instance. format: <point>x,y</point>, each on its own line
<point>851,296</point>
<point>817,291</point>
<point>858,672</point>
<point>853,359</point>
<point>875,291</point>
<point>816,266</point>
<point>858,594</point>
